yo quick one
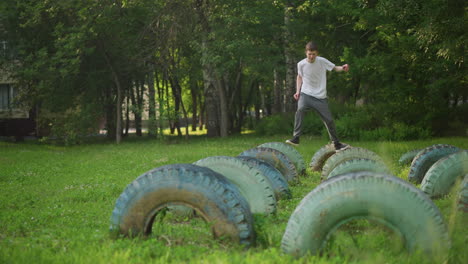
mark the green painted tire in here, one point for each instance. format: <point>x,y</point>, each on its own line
<point>290,152</point>
<point>426,158</point>
<point>443,174</point>
<point>321,156</point>
<point>356,165</point>
<point>275,158</point>
<point>347,154</point>
<point>215,199</point>
<point>251,182</point>
<point>278,182</point>
<point>462,201</point>
<point>408,157</point>
<point>386,199</point>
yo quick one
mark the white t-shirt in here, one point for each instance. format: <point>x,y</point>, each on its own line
<point>314,76</point>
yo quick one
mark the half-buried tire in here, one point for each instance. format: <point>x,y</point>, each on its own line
<point>462,201</point>
<point>424,160</point>
<point>443,174</point>
<point>251,182</point>
<point>321,156</point>
<point>347,154</point>
<point>278,182</point>
<point>275,158</point>
<point>356,165</point>
<point>389,200</point>
<point>213,198</point>
<point>408,157</point>
<point>290,152</point>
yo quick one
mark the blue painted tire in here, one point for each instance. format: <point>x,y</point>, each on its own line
<point>212,197</point>
<point>249,180</point>
<point>290,152</point>
<point>275,158</point>
<point>426,158</point>
<point>278,182</point>
<point>442,175</point>
<point>389,200</point>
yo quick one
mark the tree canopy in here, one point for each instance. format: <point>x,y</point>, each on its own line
<point>227,64</point>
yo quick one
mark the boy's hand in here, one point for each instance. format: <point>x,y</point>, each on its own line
<point>296,96</point>
<point>345,67</point>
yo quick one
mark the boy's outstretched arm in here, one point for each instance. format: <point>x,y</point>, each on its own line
<point>342,68</point>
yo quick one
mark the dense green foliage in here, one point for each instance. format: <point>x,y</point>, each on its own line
<point>222,62</point>
<point>56,204</point>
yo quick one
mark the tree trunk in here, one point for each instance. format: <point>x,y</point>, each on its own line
<point>194,93</point>
<point>212,90</point>
<point>223,105</point>
<point>277,107</point>
<point>152,123</point>
<point>127,115</point>
<point>211,106</point>
<point>136,103</point>
<point>177,90</point>
<point>290,63</point>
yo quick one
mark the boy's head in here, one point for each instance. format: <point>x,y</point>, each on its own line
<point>311,51</point>
<point>311,46</point>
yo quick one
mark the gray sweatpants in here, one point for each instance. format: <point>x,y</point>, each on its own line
<point>305,104</point>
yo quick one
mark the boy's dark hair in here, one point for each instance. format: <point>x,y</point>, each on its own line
<point>311,46</point>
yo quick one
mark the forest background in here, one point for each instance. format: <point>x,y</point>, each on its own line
<point>227,66</point>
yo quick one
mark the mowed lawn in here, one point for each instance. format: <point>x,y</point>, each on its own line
<point>56,203</point>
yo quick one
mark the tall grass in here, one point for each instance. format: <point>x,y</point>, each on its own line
<point>56,202</point>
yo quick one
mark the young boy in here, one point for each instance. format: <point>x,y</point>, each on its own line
<point>311,92</point>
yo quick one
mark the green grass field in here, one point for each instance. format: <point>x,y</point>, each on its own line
<point>56,202</point>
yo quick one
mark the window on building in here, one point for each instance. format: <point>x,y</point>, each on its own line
<point>6,96</point>
<point>6,51</point>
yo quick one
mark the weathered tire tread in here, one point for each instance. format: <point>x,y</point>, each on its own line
<point>203,181</point>
<point>359,164</point>
<point>347,154</point>
<point>292,153</point>
<point>275,158</point>
<point>320,157</point>
<point>408,157</point>
<point>424,160</point>
<point>250,181</point>
<point>443,174</point>
<point>462,201</point>
<point>394,202</point>
<point>278,182</point>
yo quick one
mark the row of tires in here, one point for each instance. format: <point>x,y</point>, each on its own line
<point>437,168</point>
<point>356,183</point>
<point>225,191</point>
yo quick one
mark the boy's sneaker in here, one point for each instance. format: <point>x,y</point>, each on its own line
<point>293,141</point>
<point>340,146</point>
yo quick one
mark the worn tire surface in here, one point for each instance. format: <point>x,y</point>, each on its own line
<point>355,165</point>
<point>389,200</point>
<point>424,160</point>
<point>290,152</point>
<point>347,154</point>
<point>215,199</point>
<point>442,175</point>
<point>408,157</point>
<point>278,182</point>
<point>319,158</point>
<point>251,182</point>
<point>275,158</point>
<point>462,202</point>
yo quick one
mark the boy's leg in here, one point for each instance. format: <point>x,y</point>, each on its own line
<point>303,105</point>
<point>321,106</point>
